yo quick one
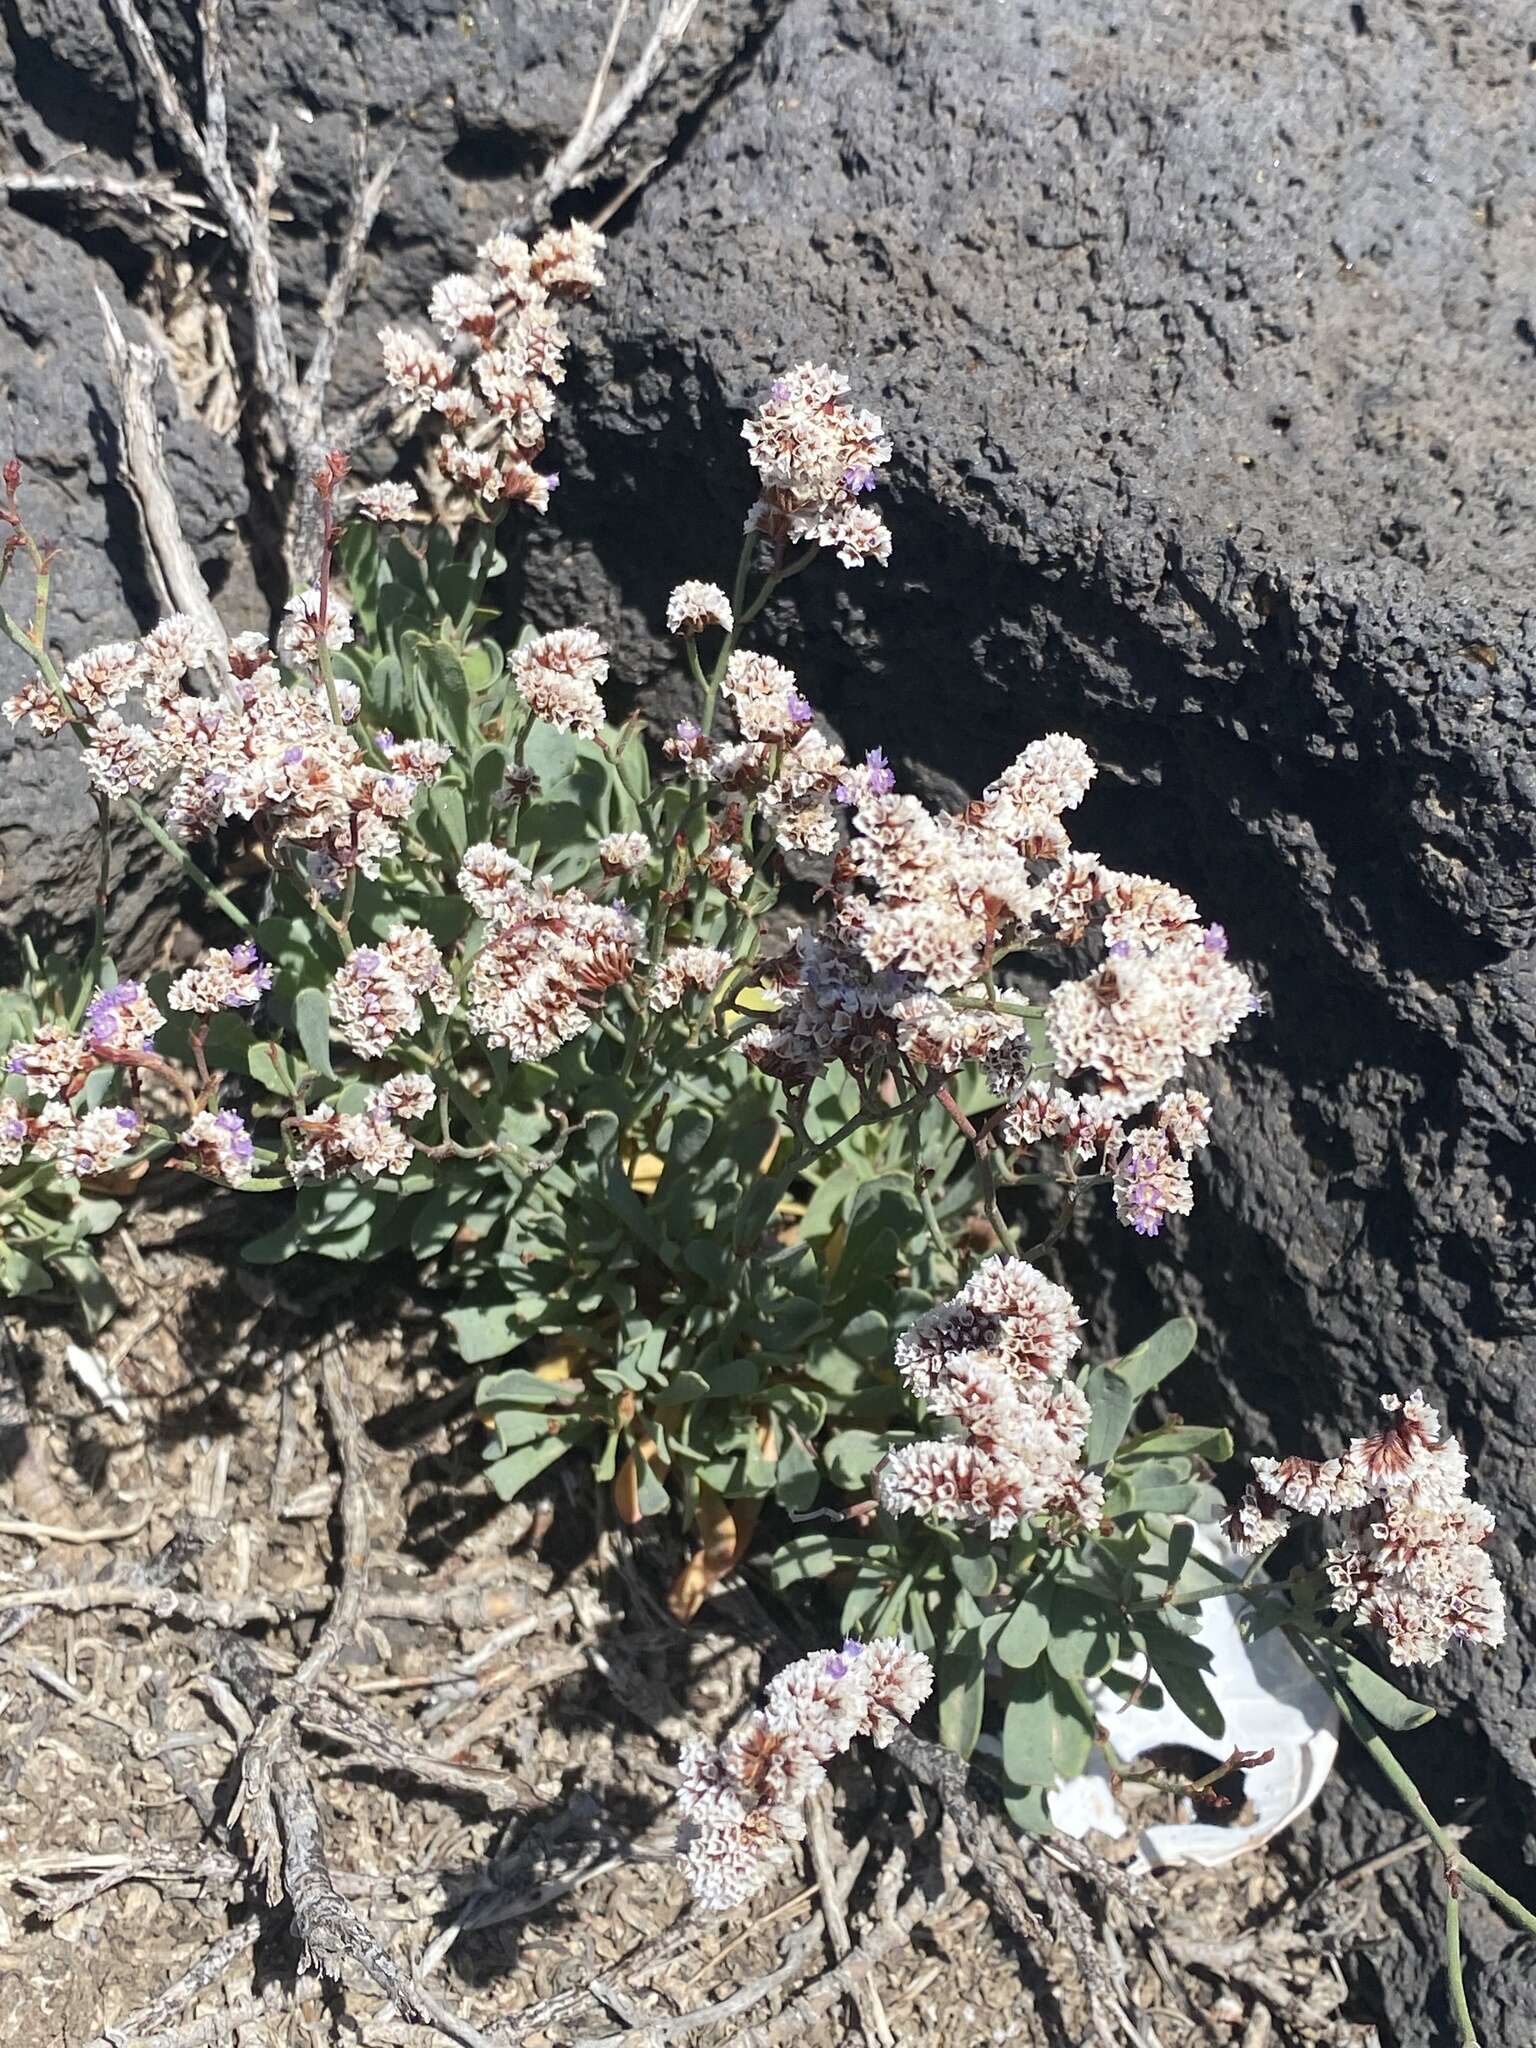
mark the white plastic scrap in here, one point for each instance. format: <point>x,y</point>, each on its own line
<point>1268,1699</point>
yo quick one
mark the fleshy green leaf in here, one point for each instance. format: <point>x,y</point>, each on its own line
<point>312,1022</point>
<point>1026,1633</point>
<point>1153,1359</point>
<point>1379,1697</point>
<point>509,1475</point>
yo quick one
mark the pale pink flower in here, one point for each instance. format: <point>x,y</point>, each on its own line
<point>104,677</point>
<point>743,1802</point>
<point>408,1097</point>
<point>564,260</point>
<point>93,1143</point>
<point>620,853</point>
<point>460,304</point>
<point>684,968</point>
<point>221,1145</point>
<point>386,502</point>
<point>558,676</point>
<point>693,607</point>
<point>414,368</point>
<point>121,757</point>
<point>300,637</point>
<point>51,1060</point>
<point>1412,1561</point>
<point>39,703</point>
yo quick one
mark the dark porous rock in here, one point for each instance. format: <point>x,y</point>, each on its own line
<point>1205,339</point>
<point>58,414</point>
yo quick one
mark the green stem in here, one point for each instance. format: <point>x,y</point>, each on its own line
<point>179,853</point>
<point>99,922</point>
<point>1371,1740</point>
<point>1459,2007</point>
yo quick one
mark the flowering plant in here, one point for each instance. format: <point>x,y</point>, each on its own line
<point>513,995</point>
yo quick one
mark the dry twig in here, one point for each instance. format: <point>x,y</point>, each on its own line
<point>599,124</point>
<point>819,1835</point>
<point>179,582</point>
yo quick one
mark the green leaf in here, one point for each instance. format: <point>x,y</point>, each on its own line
<point>653,1497</point>
<point>441,677</point>
<point>798,1480</point>
<point>509,1475</point>
<point>962,1687</point>
<point>1152,1360</point>
<point>1029,1811</point>
<point>1083,1632</point>
<point>1379,1697</point>
<point>90,1287</point>
<point>1112,1399</point>
<point>518,1426</point>
<point>1179,1664</point>
<point>270,1067</point>
<point>312,1022</point>
<point>1187,1440</point>
<point>20,1273</point>
<point>851,1455</point>
<point>227,1046</point>
<point>1029,1720</point>
<point>813,1556</point>
<point>975,1572</point>
<point>446,819</point>
<point>489,1329</point>
<point>521,1389</point>
<point>1026,1633</point>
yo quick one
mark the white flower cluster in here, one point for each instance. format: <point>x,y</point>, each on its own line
<point>743,1802</point>
<point>994,1357</point>
<point>926,901</point>
<point>492,380</point>
<point>1412,1562</point>
<point>817,457</point>
<point>368,1142</point>
<point>560,676</point>
<point>274,756</point>
<point>376,997</point>
<point>550,958</point>
<point>684,968</point>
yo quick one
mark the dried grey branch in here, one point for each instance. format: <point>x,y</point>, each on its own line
<point>208,1968</point>
<point>331,1933</point>
<point>599,125</point>
<point>134,370</point>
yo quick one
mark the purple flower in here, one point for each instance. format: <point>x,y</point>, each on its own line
<point>127,1120</point>
<point>552,480</point>
<point>687,731</point>
<point>240,1146</point>
<point>836,1668</point>
<point>1121,949</point>
<point>1215,940</point>
<point>101,1013</point>
<point>15,1064</point>
<point>778,390</point>
<point>860,478</point>
<point>799,710</point>
<point>292,755</point>
<point>246,958</point>
<point>852,1649</point>
<point>881,778</point>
